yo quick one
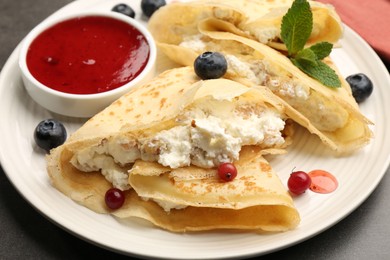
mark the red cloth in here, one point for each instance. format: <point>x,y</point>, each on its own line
<point>370,19</point>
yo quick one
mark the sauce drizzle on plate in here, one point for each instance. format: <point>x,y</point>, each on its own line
<point>322,181</point>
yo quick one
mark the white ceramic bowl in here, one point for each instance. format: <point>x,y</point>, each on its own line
<point>81,105</point>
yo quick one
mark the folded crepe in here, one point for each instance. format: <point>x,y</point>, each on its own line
<point>161,143</point>
<point>259,20</point>
<point>330,113</point>
<point>196,199</point>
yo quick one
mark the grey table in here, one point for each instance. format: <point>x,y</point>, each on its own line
<point>25,234</point>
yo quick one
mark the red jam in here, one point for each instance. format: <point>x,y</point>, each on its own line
<point>88,55</point>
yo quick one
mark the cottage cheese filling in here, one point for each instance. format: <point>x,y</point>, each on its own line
<point>201,138</point>
<point>166,205</point>
<point>265,35</point>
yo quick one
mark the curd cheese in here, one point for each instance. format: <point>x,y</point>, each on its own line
<point>201,138</point>
<point>265,35</point>
<point>166,205</point>
<point>194,42</point>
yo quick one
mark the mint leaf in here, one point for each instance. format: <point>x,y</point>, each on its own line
<point>321,72</point>
<point>308,56</point>
<point>322,49</point>
<point>296,28</point>
<point>297,25</point>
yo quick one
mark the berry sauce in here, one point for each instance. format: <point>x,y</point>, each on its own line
<point>88,55</point>
<point>322,181</point>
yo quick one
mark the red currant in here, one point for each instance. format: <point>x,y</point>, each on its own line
<point>227,171</point>
<point>114,198</point>
<point>298,182</point>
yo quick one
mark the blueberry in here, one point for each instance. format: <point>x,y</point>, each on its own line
<point>210,65</point>
<point>150,6</point>
<point>49,134</point>
<point>361,86</point>
<point>124,9</point>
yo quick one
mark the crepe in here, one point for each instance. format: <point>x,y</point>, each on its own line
<point>141,141</point>
<point>330,113</point>
<point>256,200</point>
<point>259,20</point>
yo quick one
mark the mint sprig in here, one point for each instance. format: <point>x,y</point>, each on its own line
<point>296,28</point>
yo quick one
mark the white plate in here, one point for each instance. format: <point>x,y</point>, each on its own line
<point>358,175</point>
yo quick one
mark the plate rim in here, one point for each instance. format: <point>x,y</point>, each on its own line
<point>12,60</point>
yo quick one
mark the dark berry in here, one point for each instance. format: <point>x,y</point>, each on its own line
<point>124,9</point>
<point>150,6</point>
<point>114,198</point>
<point>49,134</point>
<point>361,86</point>
<point>210,65</point>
